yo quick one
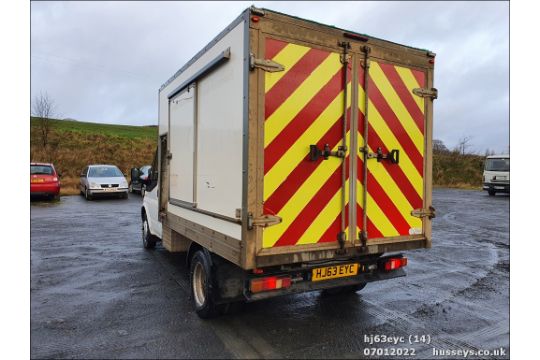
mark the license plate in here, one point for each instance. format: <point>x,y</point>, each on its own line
<point>334,272</point>
<point>110,189</point>
<point>37,180</point>
<point>499,187</point>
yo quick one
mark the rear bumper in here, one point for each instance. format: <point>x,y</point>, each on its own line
<point>106,192</point>
<point>234,283</point>
<point>497,187</point>
<point>307,285</point>
<point>44,189</point>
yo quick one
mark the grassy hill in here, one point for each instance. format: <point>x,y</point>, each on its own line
<point>452,169</point>
<point>72,145</point>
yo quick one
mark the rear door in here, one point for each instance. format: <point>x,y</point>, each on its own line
<point>391,188</point>
<point>304,114</point>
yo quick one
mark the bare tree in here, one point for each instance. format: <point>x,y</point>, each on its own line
<point>43,108</point>
<point>438,146</point>
<point>464,144</point>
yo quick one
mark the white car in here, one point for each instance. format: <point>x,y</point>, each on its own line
<point>103,180</point>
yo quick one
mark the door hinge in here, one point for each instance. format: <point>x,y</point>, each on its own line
<point>426,93</point>
<point>263,221</point>
<point>420,213</point>
<point>265,64</point>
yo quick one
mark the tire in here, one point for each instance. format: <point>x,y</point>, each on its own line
<point>149,241</point>
<point>87,194</point>
<point>491,192</point>
<point>348,289</point>
<point>201,284</point>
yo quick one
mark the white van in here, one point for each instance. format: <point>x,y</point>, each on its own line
<point>497,174</point>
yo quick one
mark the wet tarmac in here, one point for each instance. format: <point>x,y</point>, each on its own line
<point>96,293</point>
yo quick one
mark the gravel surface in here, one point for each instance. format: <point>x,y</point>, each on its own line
<point>96,293</point>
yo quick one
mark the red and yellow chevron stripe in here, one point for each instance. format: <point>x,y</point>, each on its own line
<point>303,105</point>
<point>395,121</point>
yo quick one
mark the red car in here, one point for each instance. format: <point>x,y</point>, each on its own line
<point>44,180</point>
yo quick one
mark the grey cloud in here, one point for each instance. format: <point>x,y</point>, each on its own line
<point>105,61</point>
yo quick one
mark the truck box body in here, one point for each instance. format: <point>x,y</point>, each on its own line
<point>286,141</point>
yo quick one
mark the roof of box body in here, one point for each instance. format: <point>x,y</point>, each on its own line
<point>243,15</point>
<point>341,29</point>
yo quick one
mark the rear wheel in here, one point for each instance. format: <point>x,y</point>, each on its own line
<point>491,192</point>
<point>149,242</point>
<point>200,276</point>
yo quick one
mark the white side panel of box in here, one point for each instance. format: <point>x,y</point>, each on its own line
<point>219,144</point>
<point>182,113</point>
<point>220,132</point>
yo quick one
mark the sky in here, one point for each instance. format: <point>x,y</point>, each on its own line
<point>105,61</point>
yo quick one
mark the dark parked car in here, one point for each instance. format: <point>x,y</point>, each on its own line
<point>139,176</point>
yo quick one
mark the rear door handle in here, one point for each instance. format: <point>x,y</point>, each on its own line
<point>393,155</point>
<point>315,153</point>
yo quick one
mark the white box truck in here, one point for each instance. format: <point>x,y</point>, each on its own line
<point>497,174</point>
<point>293,156</point>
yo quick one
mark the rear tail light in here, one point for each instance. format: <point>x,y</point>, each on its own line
<point>395,263</point>
<point>55,179</point>
<point>269,283</point>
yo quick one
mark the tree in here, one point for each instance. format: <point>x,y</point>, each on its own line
<point>43,108</point>
<point>464,144</point>
<point>438,146</point>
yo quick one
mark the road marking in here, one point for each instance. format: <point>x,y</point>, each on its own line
<point>241,340</point>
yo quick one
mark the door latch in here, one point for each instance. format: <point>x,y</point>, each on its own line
<point>315,153</point>
<point>393,155</point>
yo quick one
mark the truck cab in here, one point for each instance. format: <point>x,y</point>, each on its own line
<point>497,174</point>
